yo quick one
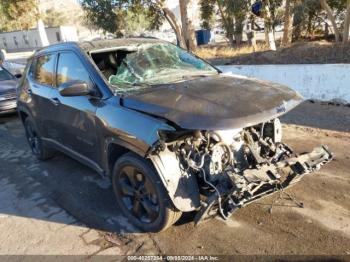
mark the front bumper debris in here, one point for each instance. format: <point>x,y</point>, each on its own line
<point>259,182</point>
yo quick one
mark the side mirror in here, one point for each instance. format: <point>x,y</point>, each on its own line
<point>74,88</point>
<point>18,76</point>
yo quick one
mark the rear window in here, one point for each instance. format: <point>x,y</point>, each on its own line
<point>44,70</point>
<point>4,75</point>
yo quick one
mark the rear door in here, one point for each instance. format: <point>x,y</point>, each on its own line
<point>74,117</point>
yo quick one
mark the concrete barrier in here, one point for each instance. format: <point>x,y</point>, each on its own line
<point>322,82</point>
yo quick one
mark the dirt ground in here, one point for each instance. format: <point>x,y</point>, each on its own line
<point>62,207</point>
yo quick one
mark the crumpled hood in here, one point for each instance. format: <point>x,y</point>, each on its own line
<point>8,86</point>
<point>215,102</point>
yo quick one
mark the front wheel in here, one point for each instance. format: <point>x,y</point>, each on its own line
<point>34,140</point>
<point>141,196</point>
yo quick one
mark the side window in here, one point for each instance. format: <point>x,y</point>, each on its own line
<point>43,71</point>
<point>70,68</point>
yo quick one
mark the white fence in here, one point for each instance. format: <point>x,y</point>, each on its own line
<point>29,40</point>
<point>322,82</point>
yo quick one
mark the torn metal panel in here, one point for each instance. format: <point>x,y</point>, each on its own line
<point>229,169</point>
<point>181,185</point>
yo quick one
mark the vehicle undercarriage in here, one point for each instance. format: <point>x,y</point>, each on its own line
<point>235,167</point>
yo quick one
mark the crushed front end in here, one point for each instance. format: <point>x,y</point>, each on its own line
<point>236,167</point>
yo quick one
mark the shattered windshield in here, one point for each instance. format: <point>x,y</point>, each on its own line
<point>158,64</point>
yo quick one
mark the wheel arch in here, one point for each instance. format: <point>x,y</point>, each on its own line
<point>23,113</point>
<point>181,188</point>
<point>114,152</point>
<point>116,147</point>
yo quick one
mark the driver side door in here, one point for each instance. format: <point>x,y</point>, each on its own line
<point>74,116</point>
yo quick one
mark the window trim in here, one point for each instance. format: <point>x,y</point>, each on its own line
<point>33,66</point>
<point>92,83</point>
<point>102,92</point>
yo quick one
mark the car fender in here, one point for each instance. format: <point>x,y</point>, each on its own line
<point>138,132</point>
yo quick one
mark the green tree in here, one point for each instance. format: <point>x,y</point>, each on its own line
<point>158,12</point>
<point>3,19</point>
<point>309,14</point>
<point>110,15</point>
<point>136,22</point>
<point>102,14</point>
<point>331,17</point>
<point>207,12</point>
<point>18,14</point>
<point>232,15</point>
<point>338,10</point>
<point>53,18</point>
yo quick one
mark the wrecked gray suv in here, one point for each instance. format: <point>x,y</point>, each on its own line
<point>173,133</point>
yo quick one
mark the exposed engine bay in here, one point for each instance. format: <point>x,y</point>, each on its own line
<point>235,167</point>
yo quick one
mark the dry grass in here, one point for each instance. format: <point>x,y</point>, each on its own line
<point>302,52</point>
<point>224,51</point>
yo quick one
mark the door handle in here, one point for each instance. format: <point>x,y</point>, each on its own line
<point>29,91</point>
<point>55,101</point>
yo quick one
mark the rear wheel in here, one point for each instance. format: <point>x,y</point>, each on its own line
<point>141,195</point>
<point>36,144</point>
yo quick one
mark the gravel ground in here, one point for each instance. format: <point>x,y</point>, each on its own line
<point>62,207</point>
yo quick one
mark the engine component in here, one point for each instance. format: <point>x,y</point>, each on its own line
<point>235,167</point>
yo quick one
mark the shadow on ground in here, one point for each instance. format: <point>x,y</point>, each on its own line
<point>36,189</point>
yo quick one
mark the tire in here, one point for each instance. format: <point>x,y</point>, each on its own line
<point>35,142</point>
<point>141,196</point>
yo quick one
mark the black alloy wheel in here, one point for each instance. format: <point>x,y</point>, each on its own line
<point>33,138</point>
<point>35,142</point>
<point>138,194</point>
<point>141,195</point>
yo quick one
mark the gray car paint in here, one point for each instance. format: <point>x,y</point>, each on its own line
<point>8,90</point>
<point>8,86</point>
<point>215,102</point>
<point>132,121</point>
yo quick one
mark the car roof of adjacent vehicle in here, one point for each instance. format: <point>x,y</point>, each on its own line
<point>89,46</point>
